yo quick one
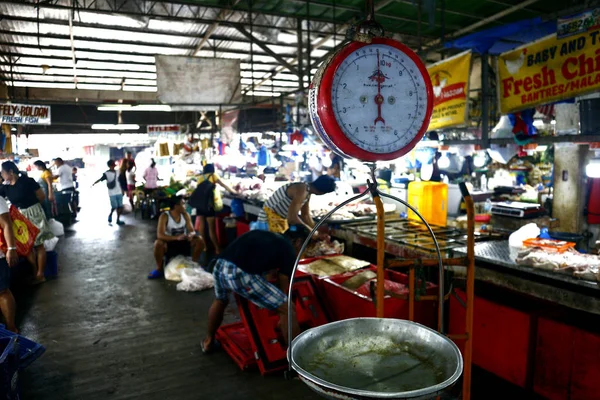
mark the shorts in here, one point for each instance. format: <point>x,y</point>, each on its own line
<point>130,188</point>
<point>4,274</point>
<point>178,248</point>
<point>208,214</point>
<point>229,278</point>
<point>116,201</point>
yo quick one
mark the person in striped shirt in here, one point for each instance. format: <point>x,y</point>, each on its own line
<point>290,204</point>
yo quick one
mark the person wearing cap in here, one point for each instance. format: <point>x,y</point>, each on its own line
<point>241,268</point>
<point>290,204</point>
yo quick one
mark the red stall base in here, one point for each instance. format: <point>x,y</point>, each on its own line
<point>344,303</point>
<point>234,340</point>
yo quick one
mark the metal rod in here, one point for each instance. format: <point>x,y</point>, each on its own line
<point>299,257</point>
<point>439,254</point>
<point>485,101</point>
<point>470,291</point>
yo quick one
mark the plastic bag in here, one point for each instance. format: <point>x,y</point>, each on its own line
<point>176,265</point>
<point>56,227</point>
<point>515,240</point>
<point>50,244</point>
<point>195,279</point>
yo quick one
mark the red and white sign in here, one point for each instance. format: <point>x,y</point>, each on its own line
<point>155,130</point>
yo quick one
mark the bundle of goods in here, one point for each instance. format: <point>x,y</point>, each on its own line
<point>582,266</point>
<point>333,265</point>
<point>361,283</point>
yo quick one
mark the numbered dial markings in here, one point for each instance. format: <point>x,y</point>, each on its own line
<point>379,98</point>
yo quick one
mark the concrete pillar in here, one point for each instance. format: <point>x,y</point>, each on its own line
<point>569,186</point>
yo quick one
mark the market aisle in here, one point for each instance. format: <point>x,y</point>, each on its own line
<point>112,334</point>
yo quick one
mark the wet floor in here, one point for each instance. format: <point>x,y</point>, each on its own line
<point>112,334</point>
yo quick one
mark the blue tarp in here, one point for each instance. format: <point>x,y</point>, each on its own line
<point>506,37</point>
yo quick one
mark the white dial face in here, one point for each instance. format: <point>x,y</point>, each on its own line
<point>379,98</point>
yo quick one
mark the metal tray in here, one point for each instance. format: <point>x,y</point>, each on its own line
<point>376,358</point>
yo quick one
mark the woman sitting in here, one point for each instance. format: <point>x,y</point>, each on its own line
<point>25,194</point>
<point>175,236</point>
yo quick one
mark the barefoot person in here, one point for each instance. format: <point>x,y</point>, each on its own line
<point>175,236</point>
<point>240,269</point>
<point>115,192</point>
<point>10,259</point>
<point>25,194</point>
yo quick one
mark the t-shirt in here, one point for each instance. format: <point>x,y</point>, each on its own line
<point>110,176</point>
<point>3,210</point>
<point>130,177</point>
<point>22,193</point>
<point>65,177</point>
<point>257,252</point>
<point>151,177</point>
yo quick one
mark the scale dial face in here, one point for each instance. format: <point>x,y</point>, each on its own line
<point>374,101</point>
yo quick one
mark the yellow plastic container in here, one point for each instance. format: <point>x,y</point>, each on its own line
<point>431,201</point>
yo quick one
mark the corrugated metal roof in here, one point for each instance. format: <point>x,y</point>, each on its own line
<point>113,40</point>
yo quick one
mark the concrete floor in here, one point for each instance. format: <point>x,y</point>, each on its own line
<point>112,334</point>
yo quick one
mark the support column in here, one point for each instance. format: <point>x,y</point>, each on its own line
<point>300,68</point>
<point>485,101</point>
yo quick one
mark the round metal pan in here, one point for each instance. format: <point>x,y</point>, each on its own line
<point>376,358</point>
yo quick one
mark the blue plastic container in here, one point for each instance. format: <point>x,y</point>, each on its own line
<point>237,208</point>
<point>51,270</point>
<point>29,351</point>
<point>9,368</point>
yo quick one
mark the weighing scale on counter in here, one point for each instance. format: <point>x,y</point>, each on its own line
<point>372,100</point>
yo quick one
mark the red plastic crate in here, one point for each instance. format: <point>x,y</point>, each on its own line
<point>266,339</point>
<point>234,340</point>
<point>344,303</point>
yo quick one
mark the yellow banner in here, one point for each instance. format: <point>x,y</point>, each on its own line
<point>549,70</point>
<point>450,80</point>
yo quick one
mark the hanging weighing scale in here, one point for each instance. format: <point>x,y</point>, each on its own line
<point>372,100</point>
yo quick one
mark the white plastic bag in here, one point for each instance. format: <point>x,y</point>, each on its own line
<point>515,240</point>
<point>194,279</point>
<point>56,227</point>
<point>174,267</point>
<point>50,244</point>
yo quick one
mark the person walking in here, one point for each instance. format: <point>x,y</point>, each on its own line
<point>130,174</point>
<point>10,259</point>
<point>64,174</point>
<point>115,192</point>
<point>25,194</point>
<point>45,183</point>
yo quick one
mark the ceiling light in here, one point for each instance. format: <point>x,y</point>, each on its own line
<point>592,170</point>
<point>538,123</point>
<point>444,161</point>
<point>118,127</point>
<point>138,107</point>
<point>553,122</point>
<point>13,129</point>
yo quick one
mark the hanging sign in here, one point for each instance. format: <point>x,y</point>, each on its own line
<point>549,70</point>
<point>578,23</point>
<point>450,80</point>
<point>24,114</point>
<point>157,130</point>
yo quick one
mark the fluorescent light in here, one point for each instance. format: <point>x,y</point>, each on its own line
<point>137,107</point>
<point>538,123</point>
<point>118,127</point>
<point>553,122</point>
<point>479,159</point>
<point>592,170</point>
<point>13,129</point>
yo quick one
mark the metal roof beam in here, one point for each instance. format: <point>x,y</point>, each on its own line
<point>267,50</point>
<point>196,18</point>
<point>222,15</point>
